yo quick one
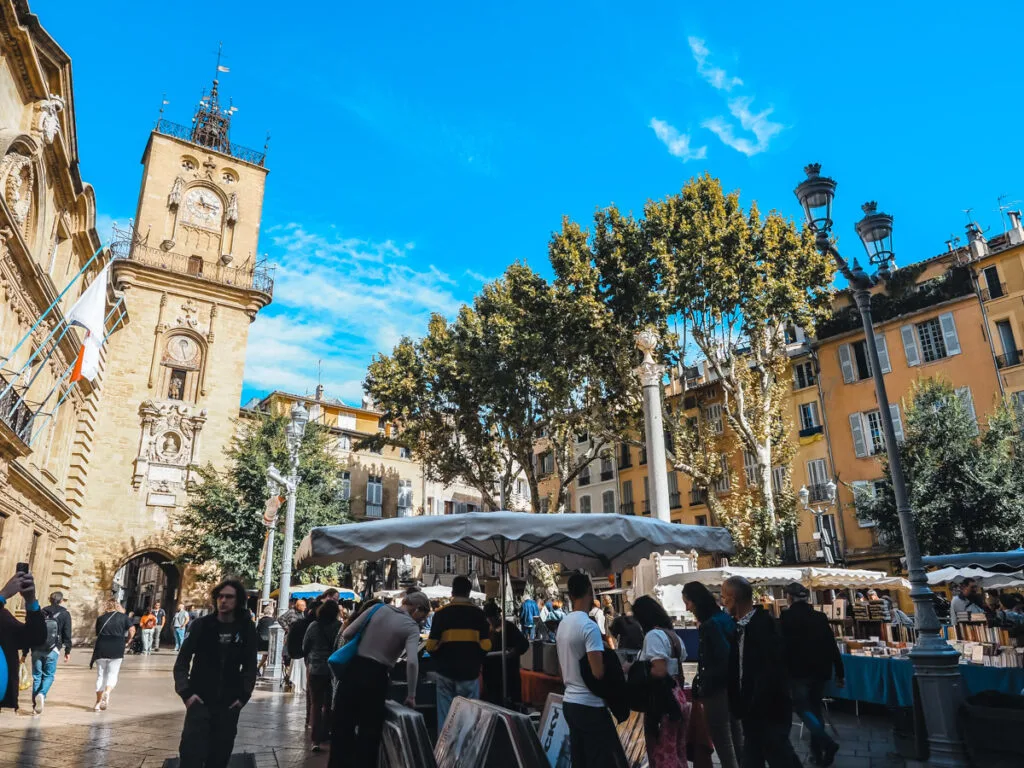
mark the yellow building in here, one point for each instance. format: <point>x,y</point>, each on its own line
<point>47,236</point>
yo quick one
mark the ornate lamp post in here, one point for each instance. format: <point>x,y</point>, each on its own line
<point>650,373</point>
<point>294,432</point>
<point>828,547</point>
<point>935,661</point>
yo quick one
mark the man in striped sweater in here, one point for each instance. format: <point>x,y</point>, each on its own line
<point>460,638</point>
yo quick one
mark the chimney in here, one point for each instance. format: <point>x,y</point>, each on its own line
<point>1016,234</point>
<point>976,242</point>
<point>319,392</point>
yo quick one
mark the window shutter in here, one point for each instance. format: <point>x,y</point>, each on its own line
<point>964,393</point>
<point>949,333</point>
<point>910,345</point>
<point>883,352</point>
<point>846,363</point>
<point>897,422</point>
<point>860,447</point>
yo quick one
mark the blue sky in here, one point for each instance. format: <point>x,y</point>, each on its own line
<point>417,149</point>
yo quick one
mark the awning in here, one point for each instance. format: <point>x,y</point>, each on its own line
<point>764,577</point>
<point>986,579</point>
<point>1002,562</point>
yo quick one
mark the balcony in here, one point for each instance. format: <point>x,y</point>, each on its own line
<point>253,278</point>
<point>993,291</point>
<point>606,474</point>
<point>405,512</point>
<point>809,431</point>
<point>698,496</point>
<point>647,507</point>
<point>626,508</point>
<point>15,412</point>
<point>1009,359</point>
<point>188,133</point>
<point>674,500</point>
<point>374,510</point>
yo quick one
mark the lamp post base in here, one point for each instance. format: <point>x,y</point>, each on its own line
<point>273,672</point>
<point>937,669</point>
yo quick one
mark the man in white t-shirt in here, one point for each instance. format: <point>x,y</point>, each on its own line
<point>593,740</point>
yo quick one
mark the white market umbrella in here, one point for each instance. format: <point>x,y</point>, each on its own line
<point>441,592</point>
<point>841,578</point>
<point>761,577</point>
<point>597,543</point>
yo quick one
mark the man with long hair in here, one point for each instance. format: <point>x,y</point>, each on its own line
<point>215,673</point>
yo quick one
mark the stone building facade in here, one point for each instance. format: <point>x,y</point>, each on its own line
<point>173,378</point>
<point>48,242</point>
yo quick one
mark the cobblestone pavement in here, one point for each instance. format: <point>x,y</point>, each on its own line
<point>141,727</point>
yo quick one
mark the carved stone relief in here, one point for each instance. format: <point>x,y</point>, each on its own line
<point>48,123</point>
<point>168,444</point>
<point>19,179</point>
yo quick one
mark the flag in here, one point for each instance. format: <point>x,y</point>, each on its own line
<point>89,312</point>
<point>222,68</point>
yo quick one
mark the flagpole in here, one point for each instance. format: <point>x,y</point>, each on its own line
<point>21,397</point>
<point>70,368</point>
<point>54,304</point>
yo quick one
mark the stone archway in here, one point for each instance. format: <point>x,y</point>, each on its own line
<point>146,578</point>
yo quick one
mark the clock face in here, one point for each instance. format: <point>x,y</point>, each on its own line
<point>181,348</point>
<point>203,207</point>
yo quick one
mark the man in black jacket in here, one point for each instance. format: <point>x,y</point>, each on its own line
<point>758,692</point>
<point>215,673</point>
<point>811,655</point>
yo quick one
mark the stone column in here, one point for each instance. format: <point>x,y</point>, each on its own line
<point>650,373</point>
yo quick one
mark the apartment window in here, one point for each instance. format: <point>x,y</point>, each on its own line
<point>345,486</point>
<point>794,334</point>
<point>404,498</point>
<point>701,519</point>
<point>1011,355</point>
<point>674,500</point>
<point>428,563</point>
<point>713,416</point>
<point>346,421</point>
<point>585,475</point>
<point>866,428</point>
<point>627,497</point>
<point>817,480</point>
<point>994,288</point>
<point>1016,398</point>
<point>778,479</point>
<point>607,471</point>
<point>721,484</point>
<point>967,400</point>
<point>750,467</point>
<point>547,463</point>
<point>521,487</point>
<point>810,423</point>
<point>931,340</point>
<point>647,495</point>
<point>585,505</point>
<point>625,460</point>
<point>495,570</point>
<point>865,491</point>
<point>471,562</point>
<point>803,375</point>
<point>545,503</point>
<point>344,443</point>
<point>855,362</point>
<point>406,453</point>
<point>608,502</point>
<point>449,564</point>
<point>374,495</point>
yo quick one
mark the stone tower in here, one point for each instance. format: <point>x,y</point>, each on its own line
<point>172,379</point>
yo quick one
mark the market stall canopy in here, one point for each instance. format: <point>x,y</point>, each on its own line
<point>1002,562</point>
<point>849,578</point>
<point>763,577</point>
<point>306,591</point>
<point>435,592</point>
<point>986,579</point>
<point>596,542</point>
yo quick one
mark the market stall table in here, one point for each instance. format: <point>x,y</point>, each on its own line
<point>536,686</point>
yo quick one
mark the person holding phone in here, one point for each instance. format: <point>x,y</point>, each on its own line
<point>14,634</point>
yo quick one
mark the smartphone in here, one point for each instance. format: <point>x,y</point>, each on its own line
<point>21,568</point>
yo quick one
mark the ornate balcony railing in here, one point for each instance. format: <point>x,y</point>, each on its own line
<point>256,278</point>
<point>405,512</point>
<point>1010,359</point>
<point>188,133</point>
<point>15,413</point>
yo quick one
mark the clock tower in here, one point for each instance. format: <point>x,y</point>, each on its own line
<point>173,378</point>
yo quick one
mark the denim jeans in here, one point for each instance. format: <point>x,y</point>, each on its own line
<point>448,689</point>
<point>179,637</point>
<point>806,695</point>
<point>44,667</point>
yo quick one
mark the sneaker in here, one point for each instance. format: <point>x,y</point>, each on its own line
<point>37,703</point>
<point>828,755</point>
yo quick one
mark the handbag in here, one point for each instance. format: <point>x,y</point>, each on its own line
<point>341,657</point>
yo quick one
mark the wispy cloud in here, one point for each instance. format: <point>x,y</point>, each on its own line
<point>474,275</point>
<point>337,302</point>
<point>756,123</point>
<point>716,76</point>
<point>678,143</point>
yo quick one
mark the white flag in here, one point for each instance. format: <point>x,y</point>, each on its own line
<point>90,309</point>
<point>88,364</point>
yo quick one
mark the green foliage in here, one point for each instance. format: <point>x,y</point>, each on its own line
<point>223,523</point>
<point>966,489</point>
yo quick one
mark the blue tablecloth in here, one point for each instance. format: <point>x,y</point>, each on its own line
<point>890,681</point>
<point>691,641</point>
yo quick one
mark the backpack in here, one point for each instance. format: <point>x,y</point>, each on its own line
<point>296,633</point>
<point>52,633</point>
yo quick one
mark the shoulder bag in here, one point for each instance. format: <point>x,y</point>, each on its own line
<point>341,657</point>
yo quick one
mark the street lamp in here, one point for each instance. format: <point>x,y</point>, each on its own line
<point>828,548</point>
<point>935,661</point>
<point>293,432</point>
